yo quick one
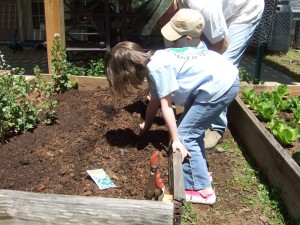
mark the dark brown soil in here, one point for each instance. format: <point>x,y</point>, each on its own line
<point>97,130</point>
<point>94,131</point>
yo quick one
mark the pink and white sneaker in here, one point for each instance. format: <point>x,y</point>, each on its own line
<point>198,197</point>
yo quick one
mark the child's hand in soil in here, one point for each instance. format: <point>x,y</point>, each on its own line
<point>142,129</point>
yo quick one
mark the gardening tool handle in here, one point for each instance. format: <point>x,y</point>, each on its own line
<point>151,184</point>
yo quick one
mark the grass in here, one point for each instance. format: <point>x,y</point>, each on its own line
<point>266,196</point>
<point>287,63</point>
<point>251,184</point>
<point>190,216</point>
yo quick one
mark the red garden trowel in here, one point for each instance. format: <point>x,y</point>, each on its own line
<point>155,180</point>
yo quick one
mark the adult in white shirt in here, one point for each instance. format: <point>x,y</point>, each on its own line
<point>229,27</point>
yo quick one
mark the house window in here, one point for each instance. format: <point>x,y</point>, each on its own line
<point>38,14</point>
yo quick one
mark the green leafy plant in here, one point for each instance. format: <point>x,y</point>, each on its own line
<point>22,103</point>
<point>282,132</point>
<point>64,69</point>
<point>266,110</point>
<point>18,111</point>
<point>249,96</point>
<point>44,91</point>
<point>281,90</point>
<point>61,67</point>
<point>96,68</point>
<point>76,70</point>
<point>294,103</point>
<point>27,110</point>
<point>268,105</point>
<point>247,77</point>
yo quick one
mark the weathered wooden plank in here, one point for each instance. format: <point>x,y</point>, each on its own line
<point>3,72</point>
<point>78,49</point>
<point>84,82</point>
<point>22,208</point>
<point>179,192</point>
<point>176,185</point>
<point>295,89</point>
<point>282,171</point>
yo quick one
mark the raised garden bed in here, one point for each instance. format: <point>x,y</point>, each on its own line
<point>43,175</point>
<point>42,201</point>
<point>282,171</point>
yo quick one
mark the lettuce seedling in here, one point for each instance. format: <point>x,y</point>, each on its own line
<point>281,90</point>
<point>266,110</point>
<point>282,132</point>
<point>248,96</point>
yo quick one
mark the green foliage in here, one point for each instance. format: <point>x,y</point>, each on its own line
<point>61,66</point>
<point>266,110</point>
<point>18,111</point>
<point>287,63</point>
<point>96,68</point>
<point>64,69</point>
<point>283,133</point>
<point>22,104</point>
<point>28,112</point>
<point>268,105</point>
<point>249,96</point>
<point>247,77</point>
<point>189,216</point>
<point>281,90</point>
<point>75,70</point>
<point>294,103</point>
<point>44,93</point>
<point>257,191</point>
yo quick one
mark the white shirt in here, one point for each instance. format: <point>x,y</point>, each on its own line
<point>184,72</point>
<point>242,11</point>
<point>215,25</point>
<point>221,14</point>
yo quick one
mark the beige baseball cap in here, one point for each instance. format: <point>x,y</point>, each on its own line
<point>184,22</point>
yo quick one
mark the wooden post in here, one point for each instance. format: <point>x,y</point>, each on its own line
<point>55,23</point>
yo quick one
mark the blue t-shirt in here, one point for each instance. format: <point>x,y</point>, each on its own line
<point>184,72</point>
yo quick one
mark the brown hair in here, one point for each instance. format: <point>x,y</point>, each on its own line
<point>124,67</point>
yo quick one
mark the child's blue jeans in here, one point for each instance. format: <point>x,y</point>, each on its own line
<point>193,123</point>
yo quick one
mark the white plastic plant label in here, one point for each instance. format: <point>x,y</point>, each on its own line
<point>101,179</point>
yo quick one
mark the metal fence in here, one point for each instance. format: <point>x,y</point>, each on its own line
<point>280,25</point>
<point>263,32</point>
<point>296,30</point>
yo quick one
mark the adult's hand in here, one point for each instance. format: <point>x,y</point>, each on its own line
<point>220,46</point>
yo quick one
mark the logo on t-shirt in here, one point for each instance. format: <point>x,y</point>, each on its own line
<point>189,53</point>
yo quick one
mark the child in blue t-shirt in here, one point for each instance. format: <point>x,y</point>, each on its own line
<point>202,81</point>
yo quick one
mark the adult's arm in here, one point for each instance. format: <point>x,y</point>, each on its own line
<point>215,29</point>
<point>220,46</point>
